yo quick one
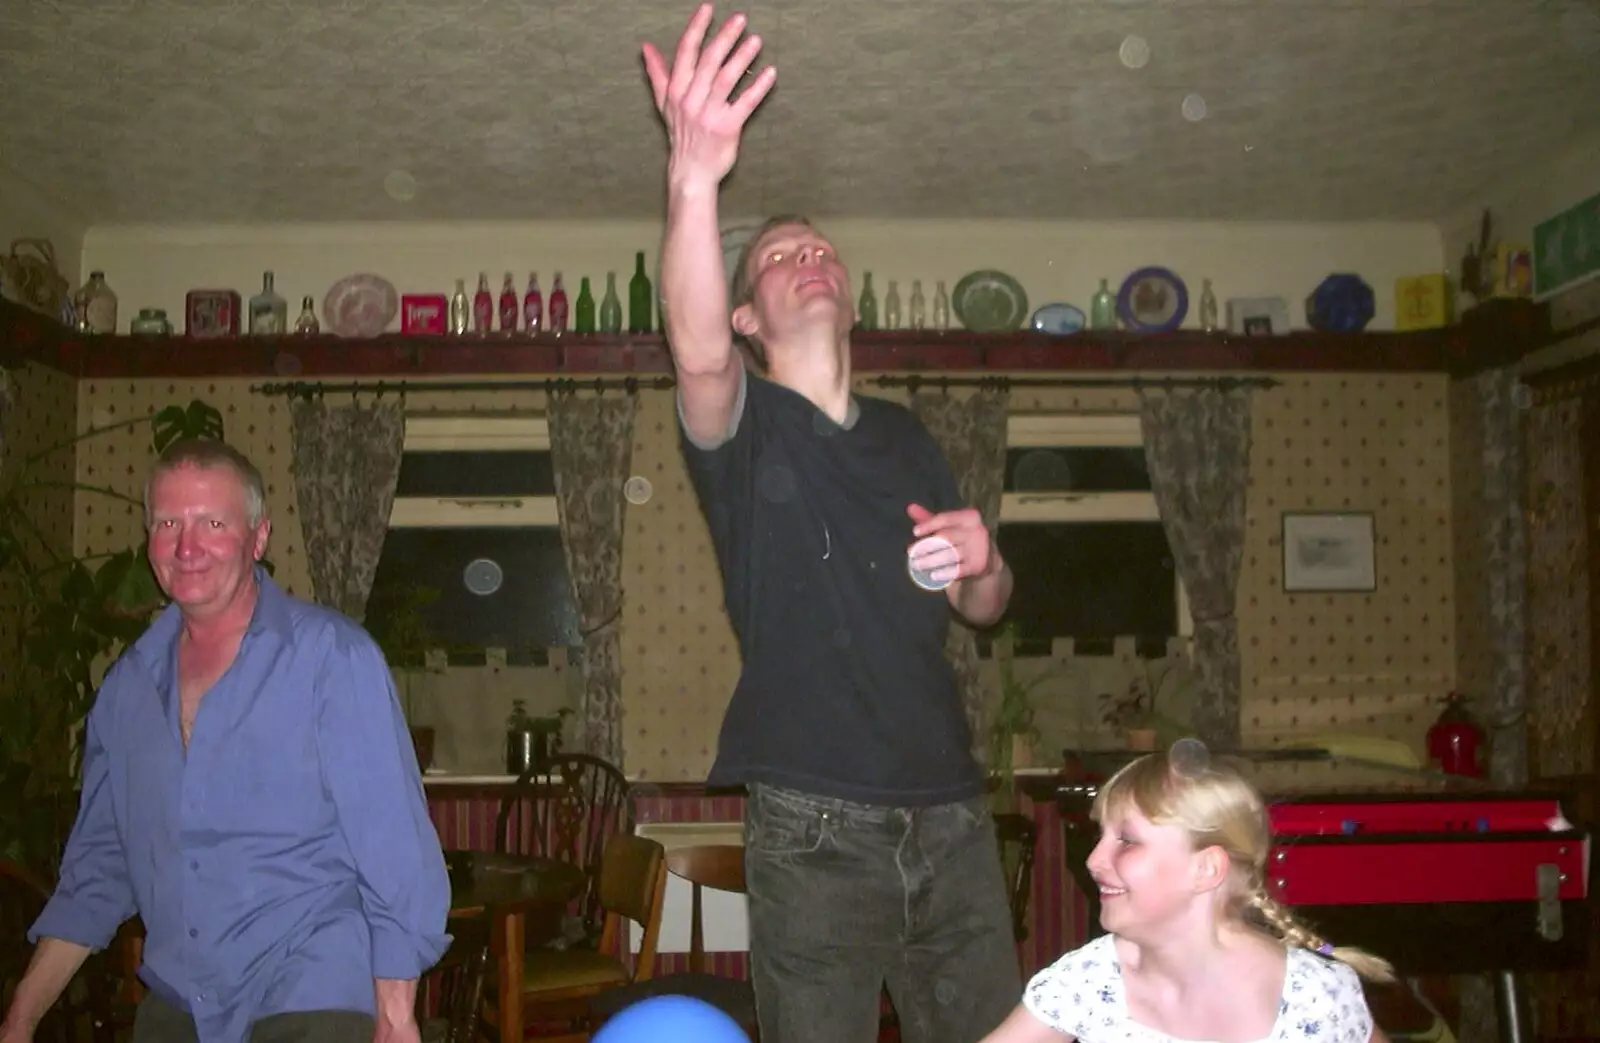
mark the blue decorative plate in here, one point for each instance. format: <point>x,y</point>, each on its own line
<point>1152,300</point>
<point>1058,319</point>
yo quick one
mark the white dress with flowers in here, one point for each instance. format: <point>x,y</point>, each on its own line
<point>1081,995</point>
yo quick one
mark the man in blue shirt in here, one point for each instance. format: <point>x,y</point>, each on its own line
<point>250,790</point>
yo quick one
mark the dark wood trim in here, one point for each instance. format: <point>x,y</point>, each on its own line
<point>643,788</point>
<point>1493,334</point>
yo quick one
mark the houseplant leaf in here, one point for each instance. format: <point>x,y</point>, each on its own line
<point>173,423</point>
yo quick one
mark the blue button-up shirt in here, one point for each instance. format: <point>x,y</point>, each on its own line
<point>288,859</point>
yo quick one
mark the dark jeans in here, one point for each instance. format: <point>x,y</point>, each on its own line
<point>847,897</point>
<point>158,1021</point>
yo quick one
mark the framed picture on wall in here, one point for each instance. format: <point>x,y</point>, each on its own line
<point>1329,552</point>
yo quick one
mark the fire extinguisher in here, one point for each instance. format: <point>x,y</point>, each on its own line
<point>1454,739</point>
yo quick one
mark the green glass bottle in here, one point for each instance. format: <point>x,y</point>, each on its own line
<point>639,297</point>
<point>611,307</point>
<point>1103,309</point>
<point>867,309</point>
<point>583,312</point>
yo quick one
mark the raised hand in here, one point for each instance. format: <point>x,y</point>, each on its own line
<point>704,121</point>
<point>970,550</point>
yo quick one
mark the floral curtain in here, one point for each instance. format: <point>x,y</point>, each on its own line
<point>346,461</point>
<point>1197,448</point>
<point>591,448</point>
<point>1558,595</point>
<point>1503,532</point>
<point>972,433</point>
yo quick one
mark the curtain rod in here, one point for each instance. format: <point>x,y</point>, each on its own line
<point>916,382</point>
<point>318,387</point>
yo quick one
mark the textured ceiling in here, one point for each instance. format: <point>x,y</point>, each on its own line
<point>274,110</point>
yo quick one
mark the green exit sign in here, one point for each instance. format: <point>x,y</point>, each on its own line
<point>1566,248</point>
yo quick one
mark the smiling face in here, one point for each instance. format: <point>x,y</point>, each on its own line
<point>203,545</point>
<point>796,284</point>
<point>1149,875</point>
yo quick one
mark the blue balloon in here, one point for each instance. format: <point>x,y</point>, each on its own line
<point>670,1019</point>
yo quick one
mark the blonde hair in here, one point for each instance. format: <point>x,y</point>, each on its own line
<point>1217,807</point>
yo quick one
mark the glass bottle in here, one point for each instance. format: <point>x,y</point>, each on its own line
<point>307,322</point>
<point>639,297</point>
<point>583,310</point>
<point>460,309</point>
<point>482,307</point>
<point>97,306</point>
<point>508,305</point>
<point>919,306</point>
<point>1103,309</point>
<point>269,312</point>
<point>891,307</point>
<point>533,306</point>
<point>558,307</point>
<point>1208,307</point>
<point>941,307</point>
<point>611,307</point>
<point>867,309</point>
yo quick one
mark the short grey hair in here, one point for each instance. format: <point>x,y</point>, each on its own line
<point>208,454</point>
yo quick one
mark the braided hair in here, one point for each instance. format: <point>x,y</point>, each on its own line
<point>1216,806</point>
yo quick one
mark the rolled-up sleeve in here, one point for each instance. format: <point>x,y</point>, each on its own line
<point>371,771</point>
<point>94,894</point>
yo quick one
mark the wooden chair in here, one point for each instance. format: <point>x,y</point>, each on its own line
<point>568,808</point>
<point>720,867</point>
<point>1018,837</point>
<point>558,983</point>
<point>463,975</point>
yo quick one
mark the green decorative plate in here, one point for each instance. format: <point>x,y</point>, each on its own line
<point>988,301</point>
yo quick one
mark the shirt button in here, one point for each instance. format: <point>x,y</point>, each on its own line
<point>194,864</point>
<point>193,933</point>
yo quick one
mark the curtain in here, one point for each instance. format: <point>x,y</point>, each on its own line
<point>972,433</point>
<point>346,464</point>
<point>1197,449</point>
<point>591,448</point>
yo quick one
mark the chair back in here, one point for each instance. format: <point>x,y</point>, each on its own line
<point>568,808</point>
<point>717,866</point>
<point>633,883</point>
<point>1017,836</point>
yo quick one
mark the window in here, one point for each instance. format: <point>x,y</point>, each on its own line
<point>1080,528</point>
<point>475,528</point>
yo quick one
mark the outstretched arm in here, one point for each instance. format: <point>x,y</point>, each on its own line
<point>704,124</point>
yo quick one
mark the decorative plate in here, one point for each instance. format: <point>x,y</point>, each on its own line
<point>1058,319</point>
<point>360,306</point>
<point>988,301</point>
<point>1152,300</point>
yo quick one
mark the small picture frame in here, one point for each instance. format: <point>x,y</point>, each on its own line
<point>1329,552</point>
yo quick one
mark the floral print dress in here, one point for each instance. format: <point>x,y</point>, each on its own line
<point>1081,995</point>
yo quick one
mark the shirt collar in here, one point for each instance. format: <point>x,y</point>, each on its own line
<point>271,616</point>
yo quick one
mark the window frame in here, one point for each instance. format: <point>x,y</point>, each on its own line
<point>1084,430</point>
<point>469,433</point>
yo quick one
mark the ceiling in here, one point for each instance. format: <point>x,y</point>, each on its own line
<point>284,110</point>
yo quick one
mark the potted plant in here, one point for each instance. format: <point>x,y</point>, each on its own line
<point>1135,712</point>
<point>71,613</point>
<point>401,629</point>
<point>531,741</point>
<point>1012,732</point>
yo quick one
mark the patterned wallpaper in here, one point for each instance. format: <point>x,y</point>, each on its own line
<point>1367,664</point>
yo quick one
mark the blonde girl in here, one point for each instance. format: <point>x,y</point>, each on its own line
<point>1196,949</point>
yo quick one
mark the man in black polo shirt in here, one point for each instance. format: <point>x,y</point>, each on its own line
<point>870,853</point>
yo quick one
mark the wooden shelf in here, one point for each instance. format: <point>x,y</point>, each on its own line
<point>1494,337</point>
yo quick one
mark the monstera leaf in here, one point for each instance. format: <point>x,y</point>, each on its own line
<point>126,588</point>
<point>173,423</point>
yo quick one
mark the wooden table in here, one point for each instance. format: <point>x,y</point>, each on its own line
<point>523,899</point>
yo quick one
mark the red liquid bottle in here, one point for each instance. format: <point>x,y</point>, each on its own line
<point>533,306</point>
<point>1454,739</point>
<point>558,307</point>
<point>508,306</point>
<point>482,306</point>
